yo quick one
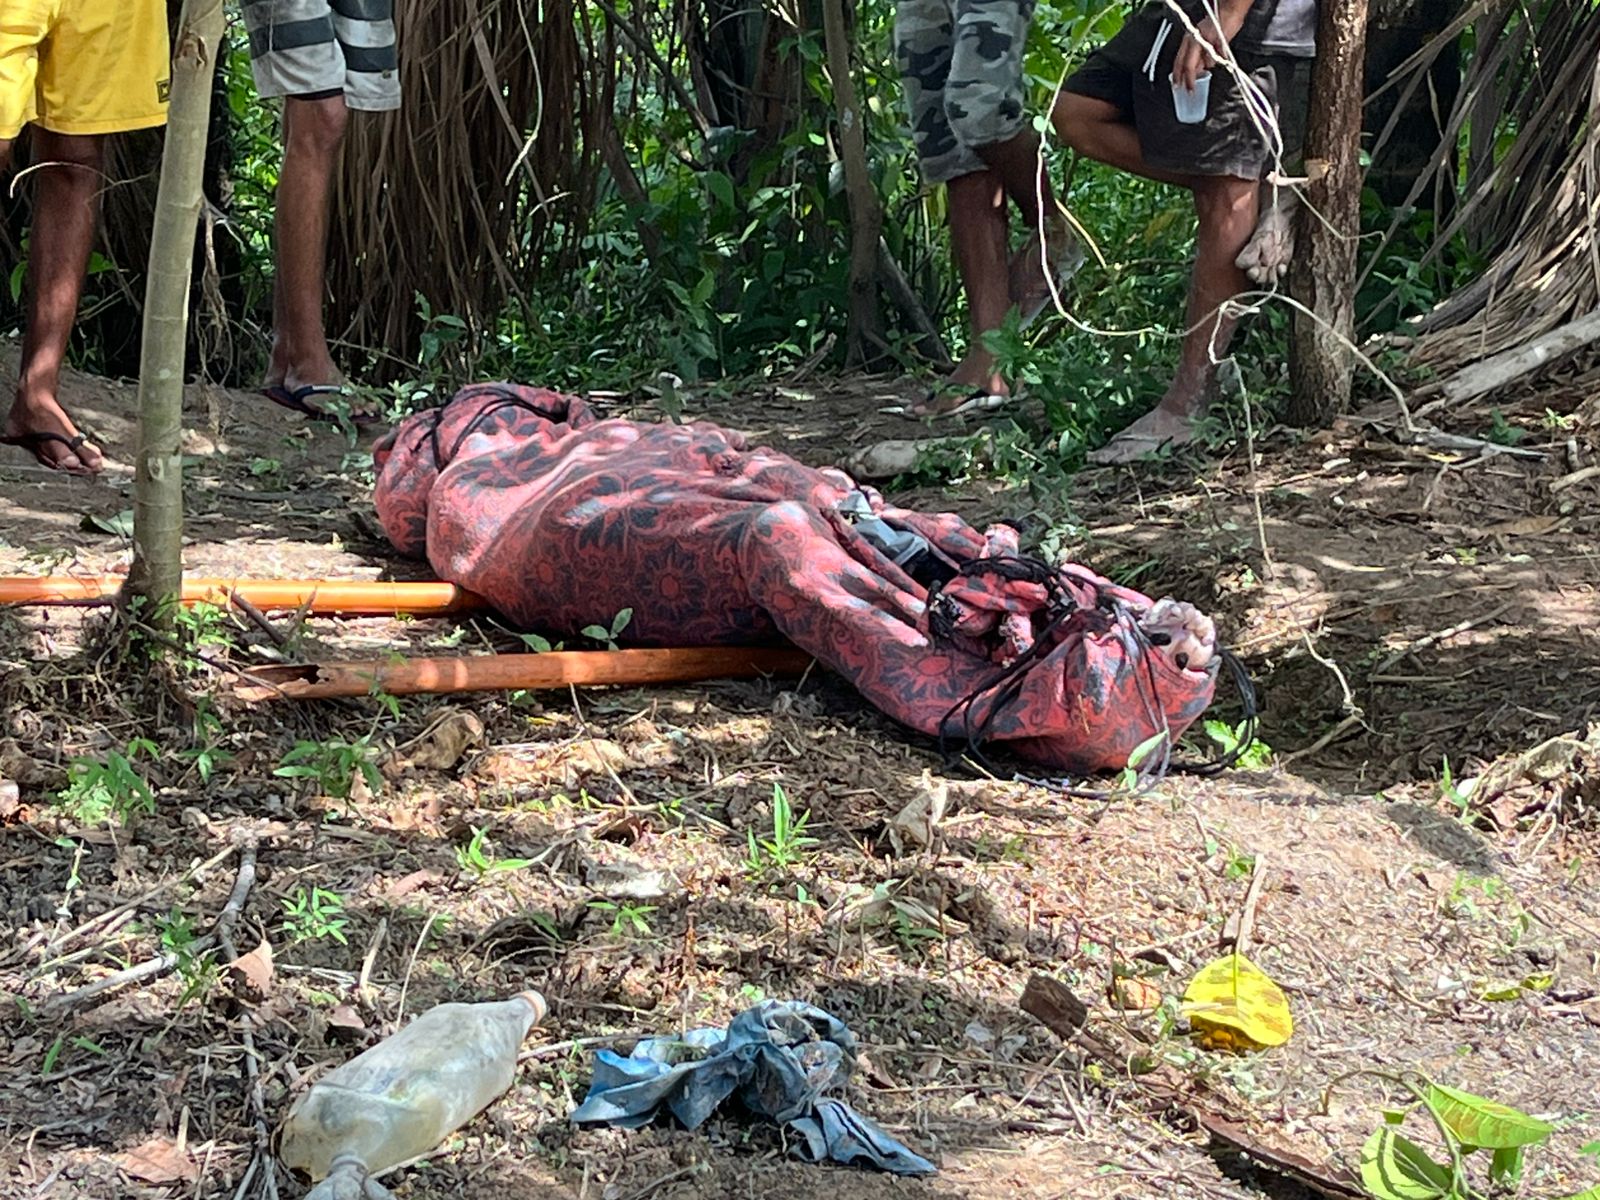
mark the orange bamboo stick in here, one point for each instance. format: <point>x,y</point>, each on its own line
<point>502,672</point>
<point>323,596</point>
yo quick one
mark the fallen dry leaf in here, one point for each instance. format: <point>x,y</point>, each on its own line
<point>916,825</point>
<point>251,974</point>
<point>345,1024</point>
<point>1526,527</point>
<point>443,743</point>
<point>10,799</point>
<point>360,789</point>
<point>407,884</point>
<point>159,1161</point>
<point>1135,995</point>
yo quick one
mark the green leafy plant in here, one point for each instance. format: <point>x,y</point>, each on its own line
<point>1459,798</point>
<point>609,636</point>
<point>52,1056</point>
<point>1393,1167</point>
<point>312,914</point>
<point>333,764</point>
<point>1128,781</point>
<point>197,968</point>
<point>541,645</point>
<point>98,790</point>
<point>627,920</point>
<point>789,844</point>
<point>202,626</point>
<point>475,860</point>
<point>1256,756</point>
<point>1502,432</point>
<point>206,756</point>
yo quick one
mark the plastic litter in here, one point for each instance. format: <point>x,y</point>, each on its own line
<point>395,1102</point>
<point>776,1058</point>
<point>1191,107</point>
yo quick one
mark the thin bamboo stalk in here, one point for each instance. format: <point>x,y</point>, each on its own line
<point>505,672</point>
<point>157,571</point>
<point>322,597</point>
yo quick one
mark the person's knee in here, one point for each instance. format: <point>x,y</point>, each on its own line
<point>1075,119</point>
<point>1070,117</point>
<point>86,151</point>
<point>317,126</point>
<point>1225,205</point>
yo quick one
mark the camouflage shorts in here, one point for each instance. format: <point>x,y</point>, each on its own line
<point>961,66</point>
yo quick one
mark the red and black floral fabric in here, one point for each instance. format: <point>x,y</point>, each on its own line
<point>561,519</point>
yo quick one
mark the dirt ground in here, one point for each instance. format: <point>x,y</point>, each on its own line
<point>1399,605</point>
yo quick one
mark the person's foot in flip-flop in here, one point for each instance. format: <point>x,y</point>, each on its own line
<point>1161,427</point>
<point>39,425</point>
<point>318,390</point>
<point>974,386</point>
<point>319,401</point>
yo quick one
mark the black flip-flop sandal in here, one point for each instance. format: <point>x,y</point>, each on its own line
<point>34,444</point>
<point>295,400</point>
<point>974,400</point>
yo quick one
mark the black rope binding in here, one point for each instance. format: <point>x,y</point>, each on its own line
<point>501,398</point>
<point>975,718</point>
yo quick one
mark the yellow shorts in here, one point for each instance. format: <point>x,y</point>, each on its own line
<point>83,66</point>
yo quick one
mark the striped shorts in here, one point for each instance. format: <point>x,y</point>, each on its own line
<point>313,49</point>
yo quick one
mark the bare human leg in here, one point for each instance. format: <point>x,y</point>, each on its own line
<point>1051,247</point>
<point>313,132</point>
<point>66,204</point>
<point>1226,208</point>
<point>978,232</point>
<point>1097,130</point>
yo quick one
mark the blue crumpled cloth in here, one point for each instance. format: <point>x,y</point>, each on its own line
<point>777,1058</point>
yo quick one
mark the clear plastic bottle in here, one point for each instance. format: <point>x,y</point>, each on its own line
<point>395,1102</point>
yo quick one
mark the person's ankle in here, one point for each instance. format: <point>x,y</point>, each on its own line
<point>32,396</point>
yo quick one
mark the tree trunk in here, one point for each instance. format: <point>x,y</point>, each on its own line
<point>157,571</point>
<point>864,332</point>
<point>1324,271</point>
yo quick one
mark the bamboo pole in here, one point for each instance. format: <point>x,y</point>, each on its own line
<point>320,597</point>
<point>157,571</point>
<point>505,672</point>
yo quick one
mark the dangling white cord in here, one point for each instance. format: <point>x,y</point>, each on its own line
<point>1149,68</point>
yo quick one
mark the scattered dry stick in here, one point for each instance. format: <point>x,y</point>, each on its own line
<point>1237,929</point>
<point>1581,475</point>
<point>159,966</point>
<point>1169,1090</point>
<point>1442,635</point>
<point>226,920</point>
<point>259,619</point>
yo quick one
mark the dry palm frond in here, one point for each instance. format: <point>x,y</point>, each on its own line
<point>455,197</point>
<point>1531,206</point>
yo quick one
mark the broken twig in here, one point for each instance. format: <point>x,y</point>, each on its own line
<point>1170,1090</point>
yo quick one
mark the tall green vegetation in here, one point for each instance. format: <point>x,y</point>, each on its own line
<point>588,193</point>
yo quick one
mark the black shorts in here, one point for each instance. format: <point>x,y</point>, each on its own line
<point>1228,141</point>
